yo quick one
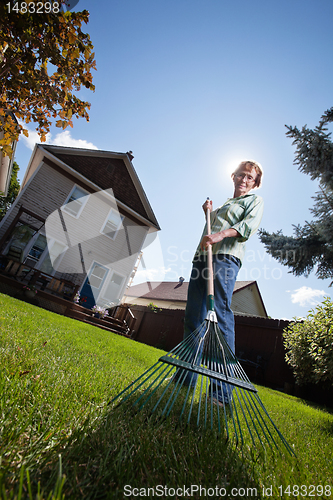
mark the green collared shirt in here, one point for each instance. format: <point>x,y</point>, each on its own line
<point>243,214</point>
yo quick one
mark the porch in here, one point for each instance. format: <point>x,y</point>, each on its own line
<point>56,295</point>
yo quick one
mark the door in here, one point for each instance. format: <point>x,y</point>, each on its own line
<point>93,284</point>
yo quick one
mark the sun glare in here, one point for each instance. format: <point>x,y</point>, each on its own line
<point>228,166</point>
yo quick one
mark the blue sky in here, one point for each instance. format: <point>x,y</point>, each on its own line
<point>192,87</point>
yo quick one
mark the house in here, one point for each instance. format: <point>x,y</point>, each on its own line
<point>80,219</point>
<point>246,299</point>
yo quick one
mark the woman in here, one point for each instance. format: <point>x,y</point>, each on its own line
<point>231,226</point>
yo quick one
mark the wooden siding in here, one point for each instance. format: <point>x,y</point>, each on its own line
<point>247,301</point>
<point>46,192</point>
<point>32,167</point>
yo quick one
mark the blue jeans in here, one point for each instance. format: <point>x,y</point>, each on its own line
<point>225,270</point>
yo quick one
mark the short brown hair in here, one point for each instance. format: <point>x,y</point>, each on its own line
<point>256,166</point>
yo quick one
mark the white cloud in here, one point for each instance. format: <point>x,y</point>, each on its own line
<point>306,296</point>
<point>64,138</point>
<point>150,274</point>
<point>30,141</point>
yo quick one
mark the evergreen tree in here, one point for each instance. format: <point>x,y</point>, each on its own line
<point>13,190</point>
<point>312,244</point>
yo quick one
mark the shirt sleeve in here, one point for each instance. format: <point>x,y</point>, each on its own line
<point>251,219</point>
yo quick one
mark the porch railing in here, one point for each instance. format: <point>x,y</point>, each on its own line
<point>124,314</point>
<point>40,280</point>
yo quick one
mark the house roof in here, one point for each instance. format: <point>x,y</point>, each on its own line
<point>170,290</point>
<point>108,169</point>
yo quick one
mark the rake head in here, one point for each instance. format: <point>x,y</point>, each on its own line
<point>202,382</point>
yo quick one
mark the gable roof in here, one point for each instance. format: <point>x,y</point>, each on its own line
<point>171,290</point>
<point>107,169</point>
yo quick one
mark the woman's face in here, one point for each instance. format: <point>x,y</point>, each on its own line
<point>244,180</point>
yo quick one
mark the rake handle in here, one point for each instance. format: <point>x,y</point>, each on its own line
<point>210,287</point>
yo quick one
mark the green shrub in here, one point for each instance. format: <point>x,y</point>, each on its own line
<point>309,345</point>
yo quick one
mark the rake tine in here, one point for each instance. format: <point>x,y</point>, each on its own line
<point>199,406</point>
<point>206,401</point>
<point>155,389</point>
<point>216,367</point>
<point>173,382</point>
<point>192,399</point>
<point>222,350</point>
<point>223,365</point>
<point>218,410</point>
<point>180,383</point>
<point>134,382</point>
<point>258,414</point>
<point>225,415</point>
<point>213,387</point>
<point>237,421</point>
<point>253,422</point>
<point>186,398</point>
<point>205,362</point>
<point>285,442</point>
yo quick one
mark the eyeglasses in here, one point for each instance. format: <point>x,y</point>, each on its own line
<point>247,177</point>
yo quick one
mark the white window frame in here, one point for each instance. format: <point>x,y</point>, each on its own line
<point>85,197</point>
<point>118,227</point>
<point>49,244</point>
<point>96,263</point>
<point>30,244</point>
<point>106,284</point>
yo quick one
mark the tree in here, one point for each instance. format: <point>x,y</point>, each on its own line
<point>44,58</point>
<point>13,190</point>
<point>309,346</point>
<point>312,243</point>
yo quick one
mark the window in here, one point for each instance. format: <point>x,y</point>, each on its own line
<point>113,288</point>
<point>76,201</point>
<point>112,224</point>
<point>97,276</point>
<point>45,255</point>
<point>53,257</point>
<point>36,251</point>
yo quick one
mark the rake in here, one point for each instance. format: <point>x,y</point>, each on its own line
<point>184,383</point>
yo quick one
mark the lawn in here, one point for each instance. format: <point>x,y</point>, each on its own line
<point>59,438</point>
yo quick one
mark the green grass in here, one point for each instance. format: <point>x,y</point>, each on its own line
<point>60,439</point>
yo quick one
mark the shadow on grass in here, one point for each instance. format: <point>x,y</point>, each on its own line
<point>129,449</point>
<point>317,406</point>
